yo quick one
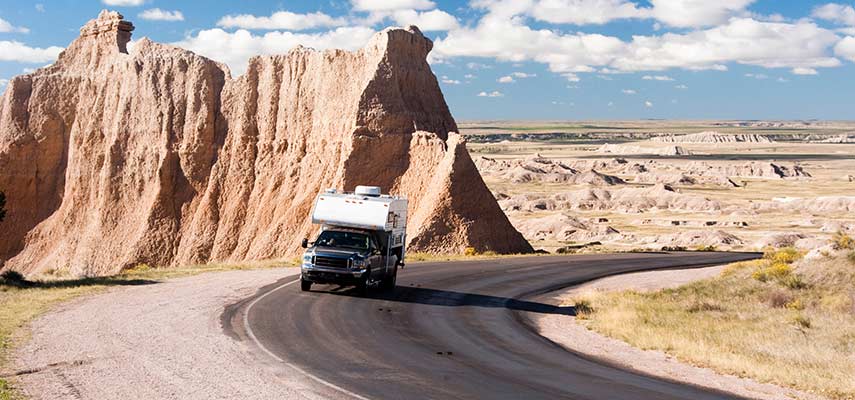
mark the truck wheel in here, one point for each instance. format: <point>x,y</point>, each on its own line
<point>389,281</point>
<point>362,284</point>
<point>305,285</point>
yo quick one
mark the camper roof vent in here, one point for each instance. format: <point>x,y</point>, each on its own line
<point>373,191</point>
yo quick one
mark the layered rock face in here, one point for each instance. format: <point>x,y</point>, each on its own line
<point>156,155</point>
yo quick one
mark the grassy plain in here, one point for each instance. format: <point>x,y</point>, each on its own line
<point>776,320</point>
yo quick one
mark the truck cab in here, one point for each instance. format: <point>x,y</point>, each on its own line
<point>361,241</point>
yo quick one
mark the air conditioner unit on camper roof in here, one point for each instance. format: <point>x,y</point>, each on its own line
<point>373,191</point>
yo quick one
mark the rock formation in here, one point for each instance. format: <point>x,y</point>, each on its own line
<point>156,155</point>
<point>713,137</point>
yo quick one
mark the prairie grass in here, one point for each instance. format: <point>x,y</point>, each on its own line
<point>23,300</point>
<point>801,336</point>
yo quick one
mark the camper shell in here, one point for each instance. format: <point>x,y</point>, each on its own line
<point>362,240</point>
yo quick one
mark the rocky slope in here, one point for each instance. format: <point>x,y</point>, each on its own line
<point>112,158</point>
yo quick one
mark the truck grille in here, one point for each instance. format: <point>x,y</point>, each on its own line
<point>334,262</point>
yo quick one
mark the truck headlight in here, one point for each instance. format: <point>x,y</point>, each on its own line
<point>307,258</point>
<point>357,263</point>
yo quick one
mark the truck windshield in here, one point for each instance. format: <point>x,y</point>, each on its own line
<point>351,240</point>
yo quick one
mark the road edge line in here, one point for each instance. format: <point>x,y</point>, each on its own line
<point>277,358</point>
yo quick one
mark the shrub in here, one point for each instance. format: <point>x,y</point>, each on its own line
<point>787,255</point>
<point>802,321</point>
<point>706,248</point>
<point>779,299</point>
<point>12,277</point>
<point>842,241</point>
<point>583,308</point>
<point>795,305</point>
<point>704,306</point>
<point>851,257</point>
<point>776,271</point>
<point>470,251</point>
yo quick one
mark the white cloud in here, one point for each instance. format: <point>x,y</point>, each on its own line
<point>19,52</point>
<point>838,13</point>
<point>846,48</point>
<point>628,91</point>
<point>805,71</point>
<point>469,76</point>
<point>697,13</point>
<point>523,75</point>
<point>434,20</point>
<point>449,81</point>
<point>40,7</point>
<point>506,79</point>
<point>783,80</point>
<point>611,104</point>
<point>681,87</point>
<point>757,76</point>
<point>648,104</point>
<point>7,27</point>
<point>156,14</point>
<point>474,65</point>
<point>281,20</point>
<point>494,93</point>
<point>3,82</point>
<point>502,34</point>
<point>663,78</point>
<point>124,3</point>
<point>392,5</point>
<point>584,12</point>
<point>235,48</point>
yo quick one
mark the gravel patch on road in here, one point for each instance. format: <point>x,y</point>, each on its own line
<point>159,341</point>
<point>564,330</point>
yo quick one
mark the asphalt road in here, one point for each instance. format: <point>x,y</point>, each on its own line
<point>455,330</point>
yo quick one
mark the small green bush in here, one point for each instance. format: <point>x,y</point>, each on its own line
<point>470,251</point>
<point>706,248</point>
<point>851,257</point>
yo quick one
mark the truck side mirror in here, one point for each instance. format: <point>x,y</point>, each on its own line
<point>304,243</point>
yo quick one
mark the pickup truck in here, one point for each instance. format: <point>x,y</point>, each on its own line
<point>362,240</point>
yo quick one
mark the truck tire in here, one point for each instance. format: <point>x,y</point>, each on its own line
<point>362,284</point>
<point>388,283</point>
<point>305,285</point>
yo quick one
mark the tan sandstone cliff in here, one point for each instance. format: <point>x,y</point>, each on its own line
<point>156,155</point>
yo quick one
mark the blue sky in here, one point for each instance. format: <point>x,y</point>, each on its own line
<point>522,59</point>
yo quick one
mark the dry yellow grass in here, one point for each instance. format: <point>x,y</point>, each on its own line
<point>771,330</point>
<point>21,302</point>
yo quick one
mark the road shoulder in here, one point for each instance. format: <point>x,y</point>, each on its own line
<point>163,340</point>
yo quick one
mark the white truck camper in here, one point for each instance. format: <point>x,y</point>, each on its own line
<point>362,240</point>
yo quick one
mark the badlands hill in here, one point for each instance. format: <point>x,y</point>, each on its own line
<point>111,158</point>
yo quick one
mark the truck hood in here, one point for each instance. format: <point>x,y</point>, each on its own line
<point>337,252</point>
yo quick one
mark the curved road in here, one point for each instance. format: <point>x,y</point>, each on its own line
<point>455,330</point>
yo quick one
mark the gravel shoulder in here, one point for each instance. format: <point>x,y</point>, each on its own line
<point>564,331</point>
<point>159,341</point>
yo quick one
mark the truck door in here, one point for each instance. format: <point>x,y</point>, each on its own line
<point>376,259</point>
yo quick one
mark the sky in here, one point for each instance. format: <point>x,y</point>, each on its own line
<point>520,59</point>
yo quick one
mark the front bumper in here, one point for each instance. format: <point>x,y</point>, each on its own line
<point>332,275</point>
